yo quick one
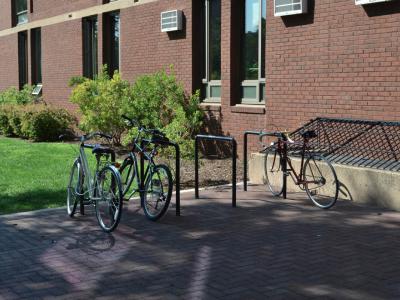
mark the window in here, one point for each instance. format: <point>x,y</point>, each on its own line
<point>212,44</point>
<point>89,47</point>
<point>22,59</point>
<point>111,30</point>
<point>36,56</point>
<point>253,51</point>
<point>20,12</point>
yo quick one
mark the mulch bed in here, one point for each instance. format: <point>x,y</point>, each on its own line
<point>212,172</point>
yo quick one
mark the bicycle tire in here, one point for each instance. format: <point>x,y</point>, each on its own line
<point>159,187</point>
<point>128,173</point>
<point>109,206</point>
<point>74,188</point>
<point>324,191</point>
<point>273,171</point>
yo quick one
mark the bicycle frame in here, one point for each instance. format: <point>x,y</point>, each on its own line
<point>149,157</point>
<point>92,180</point>
<point>298,178</point>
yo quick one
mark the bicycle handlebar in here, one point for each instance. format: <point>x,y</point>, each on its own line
<point>134,122</point>
<point>277,134</point>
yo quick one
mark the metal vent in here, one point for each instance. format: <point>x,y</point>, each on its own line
<point>289,7</point>
<point>171,20</point>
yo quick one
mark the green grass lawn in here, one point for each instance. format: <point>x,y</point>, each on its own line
<point>33,175</point>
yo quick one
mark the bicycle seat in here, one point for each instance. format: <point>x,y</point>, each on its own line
<point>98,149</point>
<point>159,138</point>
<point>309,134</point>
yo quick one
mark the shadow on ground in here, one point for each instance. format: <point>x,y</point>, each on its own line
<point>31,200</point>
<point>266,248</point>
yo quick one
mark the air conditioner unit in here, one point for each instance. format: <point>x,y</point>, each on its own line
<point>289,7</point>
<point>362,2</point>
<point>171,20</point>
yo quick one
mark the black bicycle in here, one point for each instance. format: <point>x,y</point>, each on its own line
<point>157,189</point>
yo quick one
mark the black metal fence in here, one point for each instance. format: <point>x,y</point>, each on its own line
<point>361,143</point>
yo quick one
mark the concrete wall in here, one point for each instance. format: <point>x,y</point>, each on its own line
<point>361,185</point>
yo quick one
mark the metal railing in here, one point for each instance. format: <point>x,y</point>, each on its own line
<point>360,143</point>
<point>232,141</point>
<point>261,135</point>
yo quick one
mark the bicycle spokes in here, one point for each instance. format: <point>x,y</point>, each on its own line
<point>320,182</point>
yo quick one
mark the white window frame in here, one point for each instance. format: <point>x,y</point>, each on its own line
<point>208,84</point>
<point>261,81</point>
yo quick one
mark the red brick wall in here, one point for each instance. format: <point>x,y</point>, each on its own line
<point>145,49</point>
<point>9,61</point>
<point>45,8</point>
<point>340,60</point>
<point>61,59</point>
<point>5,14</point>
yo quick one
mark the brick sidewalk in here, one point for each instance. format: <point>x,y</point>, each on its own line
<point>266,248</point>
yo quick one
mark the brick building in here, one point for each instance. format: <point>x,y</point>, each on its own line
<point>256,70</point>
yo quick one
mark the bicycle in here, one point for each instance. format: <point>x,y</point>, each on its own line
<point>316,176</point>
<point>155,195</point>
<point>103,190</point>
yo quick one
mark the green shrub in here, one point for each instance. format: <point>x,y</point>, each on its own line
<point>5,126</point>
<point>159,101</point>
<point>36,122</point>
<point>14,96</point>
<point>46,124</point>
<point>155,100</point>
<point>101,102</point>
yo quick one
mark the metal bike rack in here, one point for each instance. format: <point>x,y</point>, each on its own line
<point>246,133</point>
<point>261,134</point>
<point>196,159</point>
<point>177,172</point>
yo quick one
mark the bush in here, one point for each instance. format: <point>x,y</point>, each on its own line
<point>159,101</point>
<point>101,102</point>
<point>47,124</point>
<point>36,122</point>
<point>14,96</point>
<point>5,125</point>
<point>156,101</point>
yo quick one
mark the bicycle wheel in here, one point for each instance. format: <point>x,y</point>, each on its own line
<point>75,188</point>
<point>157,192</point>
<point>274,171</point>
<point>109,198</point>
<point>321,185</point>
<point>128,173</point>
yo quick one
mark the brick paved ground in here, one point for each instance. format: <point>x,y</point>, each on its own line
<point>267,248</point>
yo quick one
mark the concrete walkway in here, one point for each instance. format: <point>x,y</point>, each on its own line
<point>266,248</point>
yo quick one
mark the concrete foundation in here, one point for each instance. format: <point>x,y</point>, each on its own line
<point>361,185</point>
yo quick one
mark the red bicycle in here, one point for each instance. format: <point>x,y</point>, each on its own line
<point>316,175</point>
